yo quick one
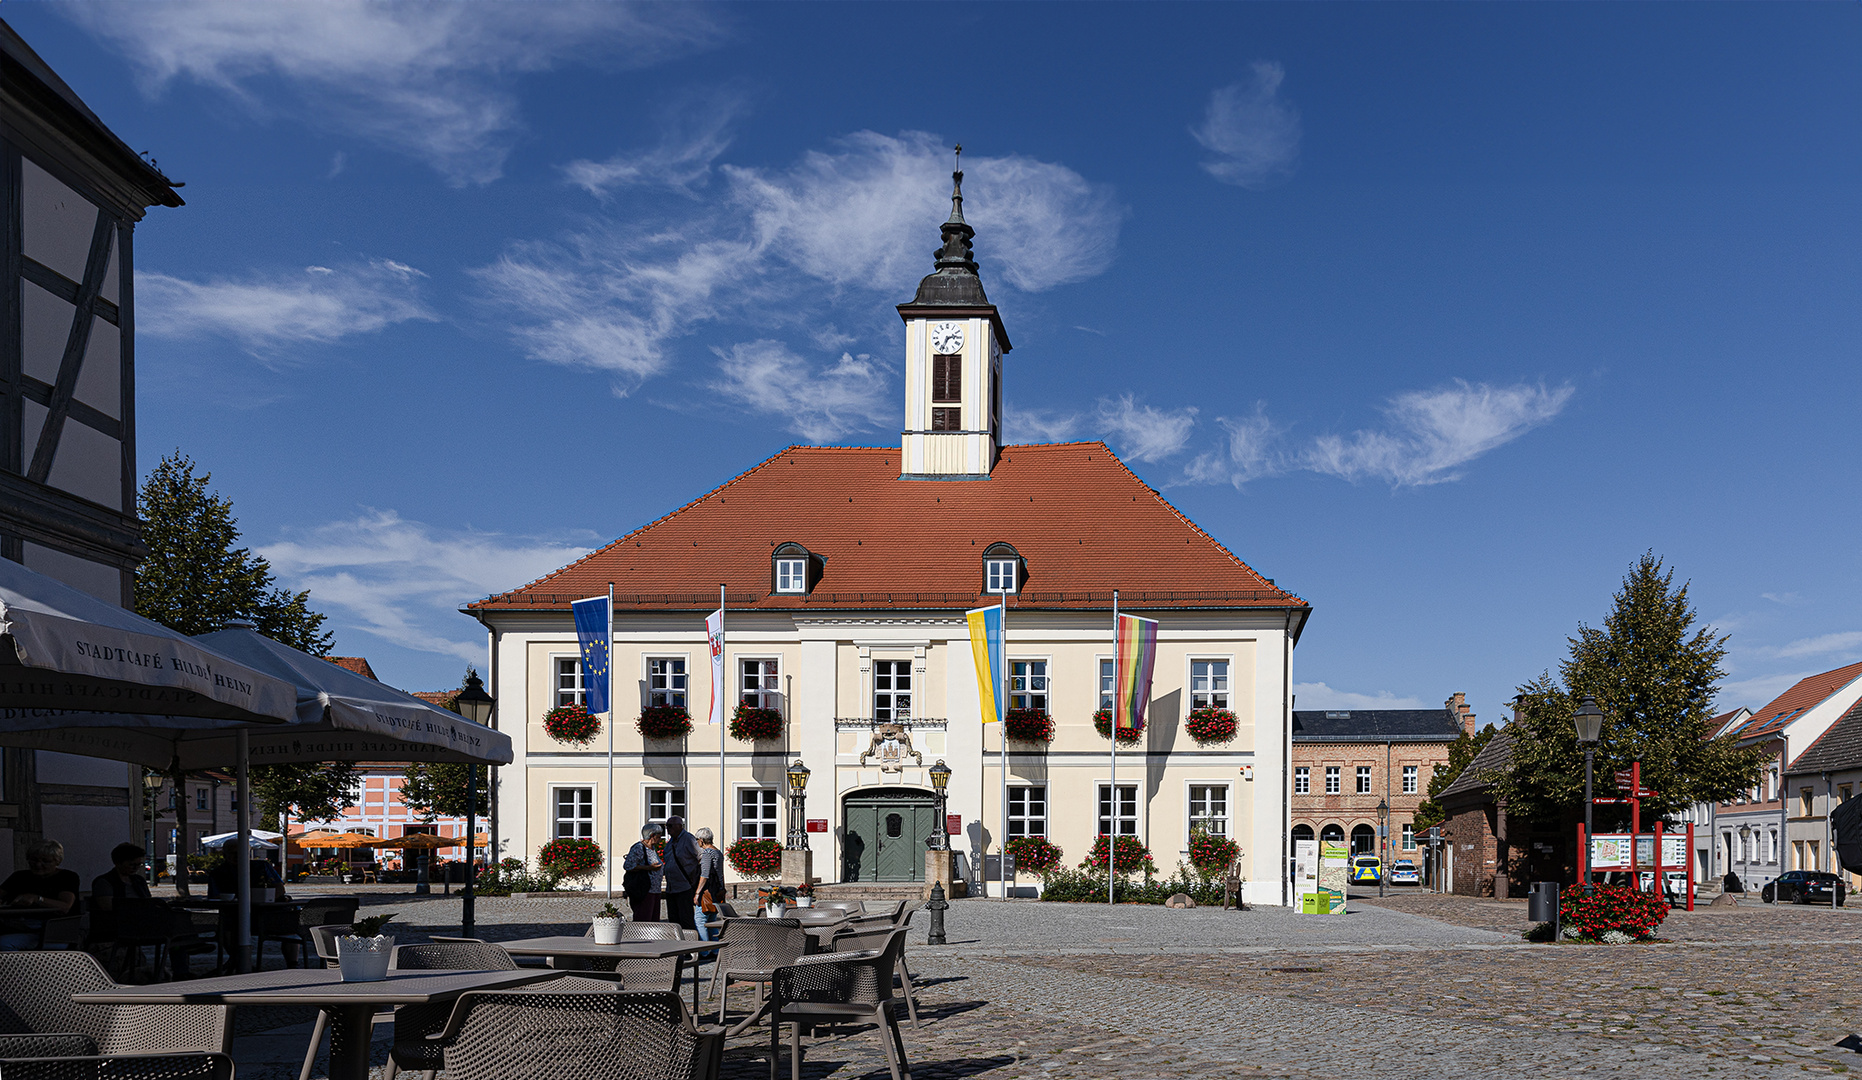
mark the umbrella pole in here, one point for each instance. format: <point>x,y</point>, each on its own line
<point>242,848</point>
<point>466,918</point>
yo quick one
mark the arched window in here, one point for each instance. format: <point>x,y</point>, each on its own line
<point>1332,834</point>
<point>1302,832</point>
<point>1003,569</point>
<point>1363,840</point>
<point>793,570</point>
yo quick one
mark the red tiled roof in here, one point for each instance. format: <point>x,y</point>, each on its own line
<point>1081,521</point>
<point>441,698</point>
<point>357,664</point>
<point>1807,694</point>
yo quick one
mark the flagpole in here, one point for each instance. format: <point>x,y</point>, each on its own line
<point>608,636</point>
<point>722,801</point>
<point>1002,859</point>
<point>1112,730</point>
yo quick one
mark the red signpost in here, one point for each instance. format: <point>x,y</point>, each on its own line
<point>1630,780</point>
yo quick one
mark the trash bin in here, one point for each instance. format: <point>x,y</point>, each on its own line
<point>1542,902</point>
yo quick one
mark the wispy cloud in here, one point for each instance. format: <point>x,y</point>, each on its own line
<point>403,581</point>
<point>1253,133</point>
<point>1432,433</point>
<point>1248,455</point>
<point>1318,695</point>
<point>697,132</point>
<point>1787,598</point>
<point>783,247</point>
<point>1144,432</point>
<point>1845,644</point>
<point>1039,425</point>
<point>1757,690</point>
<point>821,404</point>
<point>432,80</point>
<point>266,312</point>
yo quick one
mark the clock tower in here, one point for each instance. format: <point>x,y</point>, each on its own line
<point>954,343</point>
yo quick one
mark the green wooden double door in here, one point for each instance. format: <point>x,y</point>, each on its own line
<point>884,834</point>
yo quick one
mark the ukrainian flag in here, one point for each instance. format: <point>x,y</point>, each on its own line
<point>986,648</point>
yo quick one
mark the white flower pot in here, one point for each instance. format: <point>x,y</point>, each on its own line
<point>773,910</point>
<point>804,901</point>
<point>607,930</point>
<point>364,959</point>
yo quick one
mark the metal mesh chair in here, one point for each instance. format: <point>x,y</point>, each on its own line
<point>172,931</point>
<point>413,1049</point>
<point>854,906</point>
<point>836,988</point>
<point>749,951</point>
<point>868,940</point>
<point>338,911</point>
<point>120,1067</point>
<point>35,998</point>
<point>502,1035</point>
<point>43,1046</point>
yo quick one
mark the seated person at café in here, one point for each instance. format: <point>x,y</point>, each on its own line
<point>125,881</point>
<point>223,880</point>
<point>41,887</point>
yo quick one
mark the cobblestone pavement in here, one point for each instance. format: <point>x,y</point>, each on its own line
<point>1417,986</point>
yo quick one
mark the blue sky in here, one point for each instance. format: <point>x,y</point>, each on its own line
<point>1439,315</point>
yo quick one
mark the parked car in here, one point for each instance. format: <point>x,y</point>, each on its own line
<point>1366,869</point>
<point>1404,872</point>
<point>1804,887</point>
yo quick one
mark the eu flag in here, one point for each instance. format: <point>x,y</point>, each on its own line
<point>594,630</point>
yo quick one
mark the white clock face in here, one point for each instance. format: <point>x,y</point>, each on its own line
<point>947,338</point>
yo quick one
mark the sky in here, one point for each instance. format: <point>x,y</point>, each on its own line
<point>1438,315</point>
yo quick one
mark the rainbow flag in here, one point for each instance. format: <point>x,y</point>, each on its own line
<point>1136,652</point>
<point>986,648</point>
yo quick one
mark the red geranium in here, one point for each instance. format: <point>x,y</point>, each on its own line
<point>1612,907</point>
<point>571,723</point>
<point>755,858</point>
<point>752,722</point>
<point>1211,725</point>
<point>1211,855</point>
<point>1033,854</point>
<point>1128,855</point>
<point>1028,725</point>
<point>664,722</point>
<point>1102,723</point>
<point>571,857</point>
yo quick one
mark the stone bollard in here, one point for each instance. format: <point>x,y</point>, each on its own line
<point>1180,900</point>
<point>936,906</point>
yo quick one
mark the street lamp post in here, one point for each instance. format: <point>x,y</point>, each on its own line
<point>1745,869</point>
<point>475,705</point>
<point>940,781</point>
<point>1589,723</point>
<point>798,800</point>
<point>152,790</point>
<point>1383,844</point>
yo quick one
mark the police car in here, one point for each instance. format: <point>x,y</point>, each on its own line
<point>1366,870</point>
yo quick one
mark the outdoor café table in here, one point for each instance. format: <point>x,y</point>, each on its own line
<point>228,908</point>
<point>351,1005</point>
<point>583,948</point>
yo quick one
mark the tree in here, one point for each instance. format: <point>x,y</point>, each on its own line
<point>439,790</point>
<point>1463,750</point>
<point>1655,678</point>
<point>315,790</point>
<point>195,580</point>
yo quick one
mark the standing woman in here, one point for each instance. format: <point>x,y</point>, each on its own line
<point>640,876</point>
<point>710,881</point>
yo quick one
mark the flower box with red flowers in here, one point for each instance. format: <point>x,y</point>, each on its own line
<point>1028,725</point>
<point>751,722</point>
<point>571,857</point>
<point>1211,725</point>
<point>571,723</point>
<point>1611,907</point>
<point>755,858</point>
<point>1128,855</point>
<point>1033,854</point>
<point>664,722</point>
<point>1210,854</point>
<point>1102,723</point>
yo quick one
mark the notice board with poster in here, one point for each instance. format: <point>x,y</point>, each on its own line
<point>1334,870</point>
<point>1305,871</point>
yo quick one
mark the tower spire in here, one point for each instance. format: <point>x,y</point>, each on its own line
<point>955,280</point>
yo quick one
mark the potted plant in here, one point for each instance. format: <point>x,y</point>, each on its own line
<point>1208,726</point>
<point>664,722</point>
<point>752,722</point>
<point>775,900</point>
<point>804,896</point>
<point>1102,723</point>
<point>571,723</point>
<point>570,857</point>
<point>608,925</point>
<point>363,953</point>
<point>755,858</point>
<point>1028,725</point>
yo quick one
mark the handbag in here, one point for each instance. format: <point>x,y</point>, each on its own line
<point>705,904</point>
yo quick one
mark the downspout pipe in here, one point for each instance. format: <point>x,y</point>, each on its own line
<point>1286,762</point>
<point>491,771</point>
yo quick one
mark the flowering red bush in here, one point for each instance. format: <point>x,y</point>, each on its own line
<point>1128,855</point>
<point>570,858</point>
<point>1102,723</point>
<point>752,722</point>
<point>664,722</point>
<point>1033,854</point>
<point>1028,725</point>
<point>1211,855</point>
<point>755,858</point>
<point>1210,725</point>
<point>1611,907</point>
<point>571,723</point>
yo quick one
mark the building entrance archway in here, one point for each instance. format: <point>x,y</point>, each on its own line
<point>1332,834</point>
<point>883,835</point>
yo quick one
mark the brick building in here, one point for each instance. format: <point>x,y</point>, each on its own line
<point>1345,763</point>
<point>1476,848</point>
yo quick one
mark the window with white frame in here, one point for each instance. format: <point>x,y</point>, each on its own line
<point>1000,574</point>
<point>1209,808</point>
<point>1302,780</point>
<point>663,803</point>
<point>756,814</point>
<point>569,689</point>
<point>1027,810</point>
<point>1123,816</point>
<point>892,689</point>
<point>1331,779</point>
<point>791,575</point>
<point>1771,853</point>
<point>1209,684</point>
<point>1108,674</point>
<point>1409,837</point>
<point>666,681</point>
<point>200,798</point>
<point>575,813</point>
<point>1409,779</point>
<point>1028,684</point>
<point>1364,779</point>
<point>759,688</point>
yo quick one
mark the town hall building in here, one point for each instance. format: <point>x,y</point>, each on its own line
<point>846,573</point>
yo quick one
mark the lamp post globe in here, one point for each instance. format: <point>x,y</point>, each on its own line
<point>1745,863</point>
<point>1588,720</point>
<point>940,782</point>
<point>1383,844</point>
<point>472,702</point>
<point>798,800</point>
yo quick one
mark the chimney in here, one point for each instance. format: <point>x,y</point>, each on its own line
<point>1457,707</point>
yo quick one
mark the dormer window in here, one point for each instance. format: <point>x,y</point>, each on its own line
<point>793,570</point>
<point>1002,569</point>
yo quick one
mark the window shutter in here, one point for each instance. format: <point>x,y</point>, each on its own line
<point>946,378</point>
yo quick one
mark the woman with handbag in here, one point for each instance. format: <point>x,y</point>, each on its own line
<point>641,873</point>
<point>710,891</point>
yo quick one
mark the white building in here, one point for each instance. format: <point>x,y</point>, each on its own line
<point>847,573</point>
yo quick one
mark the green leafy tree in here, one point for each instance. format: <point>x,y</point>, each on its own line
<point>439,790</point>
<point>196,579</point>
<point>314,790</point>
<point>1655,677</point>
<point>1463,750</point>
